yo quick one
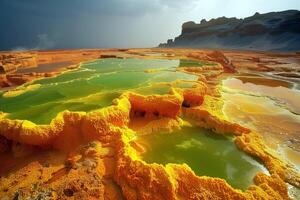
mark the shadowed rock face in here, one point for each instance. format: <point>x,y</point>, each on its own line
<point>270,31</point>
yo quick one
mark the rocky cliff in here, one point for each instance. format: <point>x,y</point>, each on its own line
<point>270,31</point>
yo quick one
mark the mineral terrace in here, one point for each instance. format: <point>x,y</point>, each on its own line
<point>74,124</point>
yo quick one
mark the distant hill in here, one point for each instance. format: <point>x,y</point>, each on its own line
<point>270,31</point>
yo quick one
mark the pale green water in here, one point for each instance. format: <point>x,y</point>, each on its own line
<point>205,152</point>
<point>92,86</point>
<point>193,63</point>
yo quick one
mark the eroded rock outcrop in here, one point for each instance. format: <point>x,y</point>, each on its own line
<point>269,31</point>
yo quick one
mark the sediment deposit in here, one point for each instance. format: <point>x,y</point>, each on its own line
<point>94,155</point>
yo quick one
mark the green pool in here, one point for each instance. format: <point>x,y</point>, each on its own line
<point>205,152</point>
<point>92,86</point>
<point>193,63</point>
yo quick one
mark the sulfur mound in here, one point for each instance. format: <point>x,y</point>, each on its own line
<point>93,155</point>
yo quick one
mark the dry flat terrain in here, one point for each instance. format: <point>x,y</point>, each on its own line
<point>149,124</point>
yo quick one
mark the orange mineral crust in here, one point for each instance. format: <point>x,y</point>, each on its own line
<point>94,155</point>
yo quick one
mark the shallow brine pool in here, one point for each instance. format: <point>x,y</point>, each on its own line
<point>91,87</point>
<point>205,152</point>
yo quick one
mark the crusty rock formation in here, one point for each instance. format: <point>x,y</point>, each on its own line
<point>10,62</point>
<point>94,155</point>
<point>91,172</point>
<point>156,105</point>
<point>17,68</point>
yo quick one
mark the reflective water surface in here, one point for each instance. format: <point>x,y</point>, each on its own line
<point>205,152</point>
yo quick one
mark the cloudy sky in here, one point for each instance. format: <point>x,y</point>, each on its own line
<point>51,24</point>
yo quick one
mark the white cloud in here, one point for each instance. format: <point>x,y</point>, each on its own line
<point>44,42</point>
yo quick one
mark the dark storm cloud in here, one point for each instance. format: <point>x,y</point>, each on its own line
<point>24,21</point>
<point>73,8</point>
<point>110,23</point>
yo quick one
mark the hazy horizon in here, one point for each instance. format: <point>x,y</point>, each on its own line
<point>65,24</point>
